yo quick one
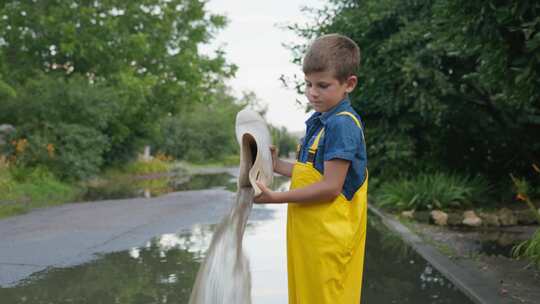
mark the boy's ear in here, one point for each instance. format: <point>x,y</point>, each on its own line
<point>351,83</point>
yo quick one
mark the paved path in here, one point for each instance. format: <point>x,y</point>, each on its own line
<point>73,233</point>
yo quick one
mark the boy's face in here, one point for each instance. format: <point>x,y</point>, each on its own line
<point>324,91</point>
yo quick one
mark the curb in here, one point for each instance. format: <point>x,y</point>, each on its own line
<point>480,289</point>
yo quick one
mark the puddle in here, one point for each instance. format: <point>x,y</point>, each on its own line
<point>395,273</point>
<point>490,242</point>
<point>206,181</point>
<point>163,270</point>
<point>494,248</point>
<point>157,185</point>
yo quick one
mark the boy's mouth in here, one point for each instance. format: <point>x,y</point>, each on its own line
<point>317,104</point>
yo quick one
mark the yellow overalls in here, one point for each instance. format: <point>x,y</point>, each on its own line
<point>325,240</point>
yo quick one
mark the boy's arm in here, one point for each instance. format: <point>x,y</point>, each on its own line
<point>335,171</point>
<point>283,167</point>
<point>280,166</point>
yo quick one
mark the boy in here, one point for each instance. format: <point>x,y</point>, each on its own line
<point>327,211</point>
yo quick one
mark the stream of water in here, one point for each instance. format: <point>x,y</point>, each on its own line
<point>224,276</point>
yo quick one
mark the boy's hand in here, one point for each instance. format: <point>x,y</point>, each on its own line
<point>267,196</point>
<point>274,152</point>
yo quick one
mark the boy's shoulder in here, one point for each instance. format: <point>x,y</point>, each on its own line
<point>343,119</point>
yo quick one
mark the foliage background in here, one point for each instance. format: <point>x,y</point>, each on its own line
<point>448,86</point>
<point>88,83</point>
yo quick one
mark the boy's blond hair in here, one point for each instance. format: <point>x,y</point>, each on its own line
<point>335,53</point>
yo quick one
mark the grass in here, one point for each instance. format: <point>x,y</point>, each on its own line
<point>24,189</point>
<point>529,249</point>
<point>429,191</point>
<point>38,188</point>
<point>141,167</point>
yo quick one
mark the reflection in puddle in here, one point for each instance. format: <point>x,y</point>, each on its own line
<point>122,188</point>
<point>490,242</point>
<point>206,181</point>
<point>163,270</point>
<point>394,273</point>
<point>494,248</point>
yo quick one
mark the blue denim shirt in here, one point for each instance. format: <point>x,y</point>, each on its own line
<point>341,139</point>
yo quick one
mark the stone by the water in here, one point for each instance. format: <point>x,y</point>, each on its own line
<point>440,218</point>
<point>471,219</point>
<point>489,219</point>
<point>506,217</point>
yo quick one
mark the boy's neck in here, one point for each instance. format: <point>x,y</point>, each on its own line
<point>337,104</point>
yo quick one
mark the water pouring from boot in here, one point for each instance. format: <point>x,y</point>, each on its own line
<point>224,276</point>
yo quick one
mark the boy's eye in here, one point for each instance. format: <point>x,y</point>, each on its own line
<point>319,85</point>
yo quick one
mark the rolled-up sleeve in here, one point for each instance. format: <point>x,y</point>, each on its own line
<point>343,139</point>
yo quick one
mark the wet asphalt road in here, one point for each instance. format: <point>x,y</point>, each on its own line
<point>72,234</point>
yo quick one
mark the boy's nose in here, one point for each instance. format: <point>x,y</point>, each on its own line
<point>312,92</point>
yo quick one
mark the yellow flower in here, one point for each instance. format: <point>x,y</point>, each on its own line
<point>521,197</point>
<point>163,157</point>
<point>50,150</point>
<point>21,145</point>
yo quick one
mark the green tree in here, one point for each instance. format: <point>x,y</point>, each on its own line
<point>446,84</point>
<point>113,68</point>
<point>205,131</point>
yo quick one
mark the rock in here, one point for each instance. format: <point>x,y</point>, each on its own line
<point>525,217</point>
<point>408,214</point>
<point>471,219</point>
<point>506,217</point>
<point>439,218</point>
<point>422,216</point>
<point>490,219</point>
<point>5,129</point>
<point>455,219</point>
<point>146,154</point>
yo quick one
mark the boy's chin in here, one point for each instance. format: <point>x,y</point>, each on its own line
<point>318,108</point>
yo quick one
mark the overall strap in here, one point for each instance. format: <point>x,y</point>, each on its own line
<point>355,120</point>
<point>313,149</point>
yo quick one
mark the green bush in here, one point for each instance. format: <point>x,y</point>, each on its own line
<point>431,191</point>
<point>62,124</point>
<point>529,249</point>
<point>69,151</point>
<point>204,134</point>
